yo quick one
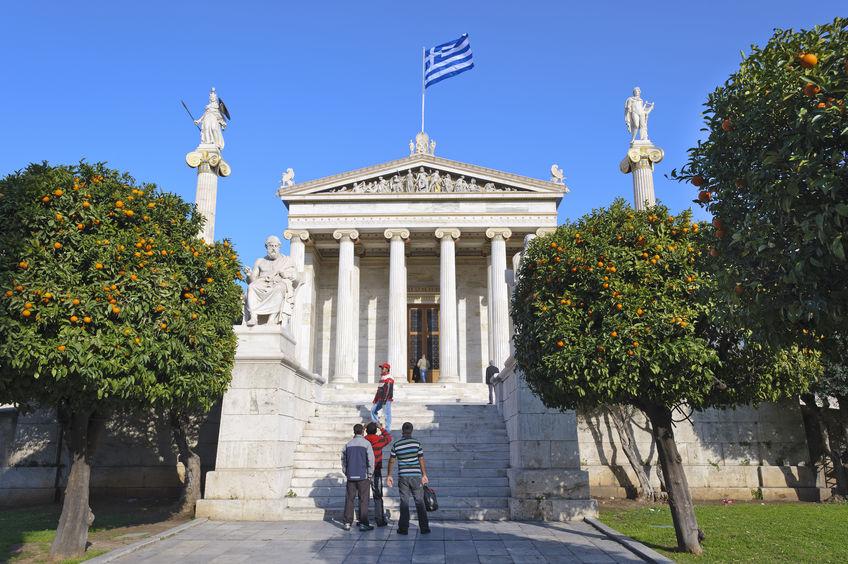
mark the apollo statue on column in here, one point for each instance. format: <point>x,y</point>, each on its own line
<point>636,112</point>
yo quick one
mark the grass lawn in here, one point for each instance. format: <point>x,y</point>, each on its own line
<point>26,534</point>
<point>742,532</point>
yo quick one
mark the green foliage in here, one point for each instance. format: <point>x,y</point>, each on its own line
<point>774,164</point>
<point>620,307</point>
<point>108,298</point>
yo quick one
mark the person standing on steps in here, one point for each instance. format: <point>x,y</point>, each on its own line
<point>358,467</point>
<point>384,397</point>
<point>491,370</point>
<point>412,477</point>
<point>377,444</point>
<point>423,367</point>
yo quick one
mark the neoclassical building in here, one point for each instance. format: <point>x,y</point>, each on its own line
<point>411,257</point>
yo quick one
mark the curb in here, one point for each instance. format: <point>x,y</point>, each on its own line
<point>113,555</point>
<point>633,546</point>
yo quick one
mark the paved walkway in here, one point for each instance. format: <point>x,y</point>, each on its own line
<point>462,542</point>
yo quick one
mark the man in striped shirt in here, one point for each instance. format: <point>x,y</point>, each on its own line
<point>412,477</point>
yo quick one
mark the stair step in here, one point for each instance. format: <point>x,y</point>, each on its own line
<point>488,514</point>
<point>429,448</point>
<point>441,482</point>
<point>393,502</point>
<point>478,490</point>
<point>436,472</point>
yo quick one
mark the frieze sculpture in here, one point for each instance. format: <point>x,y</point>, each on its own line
<point>272,283</point>
<point>421,180</point>
<point>636,112</point>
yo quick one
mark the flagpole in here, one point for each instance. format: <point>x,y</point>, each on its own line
<point>423,58</point>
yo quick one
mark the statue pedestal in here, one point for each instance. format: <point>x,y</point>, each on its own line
<point>639,162</point>
<point>263,415</point>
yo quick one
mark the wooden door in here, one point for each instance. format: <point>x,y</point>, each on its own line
<point>423,326</point>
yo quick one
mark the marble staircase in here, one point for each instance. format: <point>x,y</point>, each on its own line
<point>465,446</point>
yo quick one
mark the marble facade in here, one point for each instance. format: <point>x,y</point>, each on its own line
<point>373,245</point>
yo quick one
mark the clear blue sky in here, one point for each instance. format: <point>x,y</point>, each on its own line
<point>326,87</point>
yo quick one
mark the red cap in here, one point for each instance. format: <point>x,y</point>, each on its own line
<point>386,365</point>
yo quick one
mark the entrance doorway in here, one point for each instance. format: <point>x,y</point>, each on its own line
<point>423,323</point>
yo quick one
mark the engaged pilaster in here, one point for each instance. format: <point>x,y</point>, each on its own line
<point>448,353</point>
<point>397,301</point>
<point>345,369</point>
<point>500,295</point>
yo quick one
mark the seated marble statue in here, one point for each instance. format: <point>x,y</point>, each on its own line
<point>271,286</point>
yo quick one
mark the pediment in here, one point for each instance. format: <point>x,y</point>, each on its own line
<point>421,175</point>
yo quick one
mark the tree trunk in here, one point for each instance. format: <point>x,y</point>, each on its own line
<point>825,430</point>
<point>679,498</point>
<point>622,422</point>
<point>191,462</point>
<point>82,431</point>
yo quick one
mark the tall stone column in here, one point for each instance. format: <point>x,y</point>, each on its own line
<point>345,371</point>
<point>304,302</point>
<point>397,302</point>
<point>490,324</point>
<point>209,164</point>
<point>448,342</point>
<point>639,163</point>
<point>500,295</point>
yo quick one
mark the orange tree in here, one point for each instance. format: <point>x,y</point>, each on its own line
<point>618,308</point>
<point>773,172</point>
<point>109,303</point>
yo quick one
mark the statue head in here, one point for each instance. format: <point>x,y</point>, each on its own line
<point>637,91</point>
<point>272,245</point>
<point>213,97</point>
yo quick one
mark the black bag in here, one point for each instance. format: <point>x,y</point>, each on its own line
<point>431,502</point>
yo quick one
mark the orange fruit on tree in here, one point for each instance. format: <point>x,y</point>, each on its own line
<point>821,105</point>
<point>739,289</point>
<point>119,204</point>
<point>61,348</point>
<point>26,313</point>
<point>726,125</point>
<point>86,319</point>
<point>74,319</point>
<point>57,245</point>
<point>116,310</point>
<point>86,205</point>
<point>9,293</point>
<point>560,344</point>
<point>640,312</point>
<point>705,196</point>
<point>811,89</point>
<point>80,226</point>
<point>45,199</point>
<point>98,266</point>
<point>808,60</point>
<point>614,334</point>
<point>75,301</point>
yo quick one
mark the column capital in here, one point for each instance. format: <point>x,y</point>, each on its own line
<point>503,232</point>
<point>301,234</point>
<point>443,232</point>
<point>340,234</point>
<point>392,233</point>
<point>542,231</point>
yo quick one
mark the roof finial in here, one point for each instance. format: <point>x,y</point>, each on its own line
<point>422,145</point>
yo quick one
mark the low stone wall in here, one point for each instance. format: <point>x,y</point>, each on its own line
<point>545,478</point>
<point>262,418</point>
<point>29,446</point>
<point>743,453</point>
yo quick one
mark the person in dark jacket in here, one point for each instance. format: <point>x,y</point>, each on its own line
<point>491,370</point>
<point>384,396</point>
<point>377,444</point>
<point>358,467</point>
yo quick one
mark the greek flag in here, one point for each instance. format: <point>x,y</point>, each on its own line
<point>446,60</point>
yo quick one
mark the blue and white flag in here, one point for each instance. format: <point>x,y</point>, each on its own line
<point>447,60</point>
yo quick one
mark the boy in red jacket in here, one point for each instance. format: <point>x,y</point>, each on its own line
<point>377,444</point>
<point>384,396</point>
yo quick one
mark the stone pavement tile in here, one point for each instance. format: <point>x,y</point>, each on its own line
<point>552,547</point>
<point>524,551</point>
<point>224,559</point>
<point>490,548</point>
<point>460,548</point>
<point>616,551</point>
<point>209,551</point>
<point>429,551</point>
<point>497,559</point>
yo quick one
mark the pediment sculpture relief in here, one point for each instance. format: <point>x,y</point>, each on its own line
<point>423,180</point>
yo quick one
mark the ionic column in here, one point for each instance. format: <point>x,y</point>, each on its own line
<point>397,302</point>
<point>345,371</point>
<point>639,163</point>
<point>448,354</point>
<point>500,295</point>
<point>304,300</point>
